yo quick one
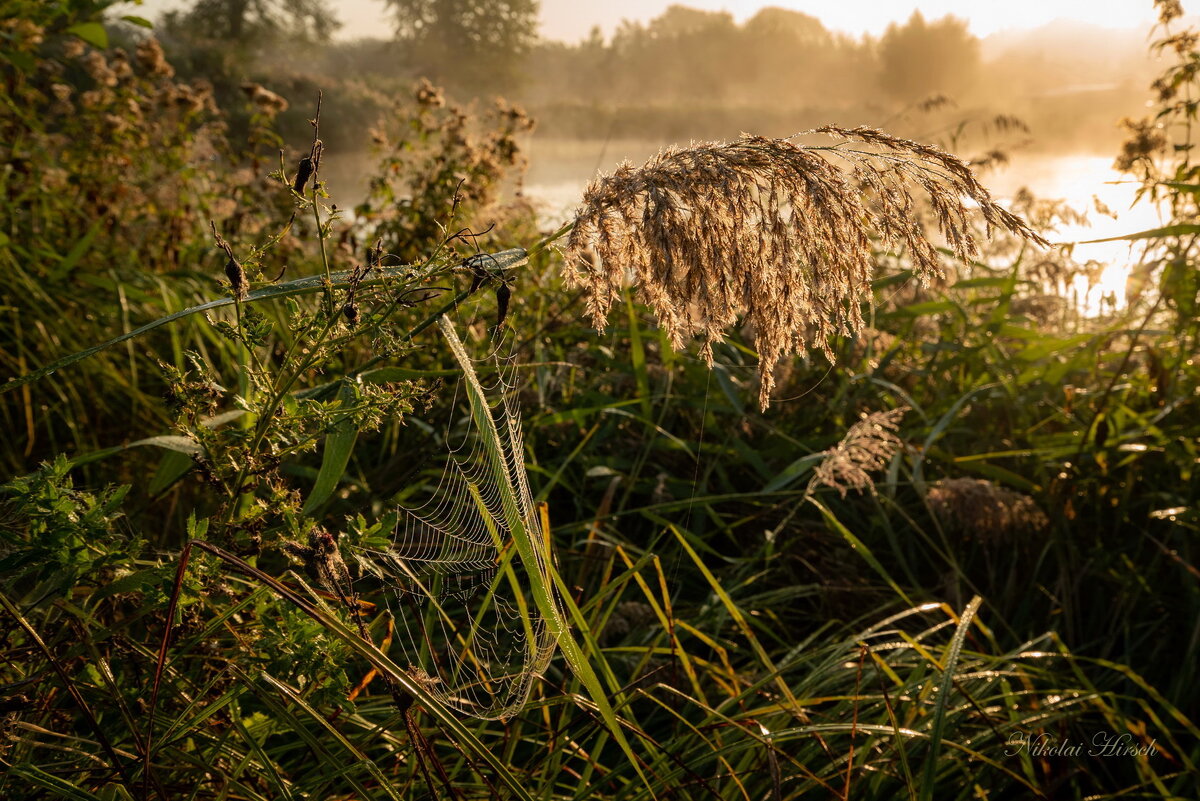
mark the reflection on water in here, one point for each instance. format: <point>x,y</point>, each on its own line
<point>559,170</point>
<point>1086,182</point>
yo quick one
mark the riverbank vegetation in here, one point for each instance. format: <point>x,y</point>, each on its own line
<point>903,522</point>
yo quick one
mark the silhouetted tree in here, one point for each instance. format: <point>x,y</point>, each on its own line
<point>922,58</point>
<point>470,45</point>
<point>245,21</point>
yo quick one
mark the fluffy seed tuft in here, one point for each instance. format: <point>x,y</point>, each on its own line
<point>773,231</point>
<point>984,510</point>
<point>867,447</point>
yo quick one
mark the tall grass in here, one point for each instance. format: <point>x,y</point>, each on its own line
<point>732,622</point>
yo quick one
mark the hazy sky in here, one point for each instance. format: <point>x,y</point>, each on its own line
<point>572,19</point>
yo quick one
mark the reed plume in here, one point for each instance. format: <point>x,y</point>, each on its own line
<point>984,510</point>
<point>776,232</point>
<point>867,447</point>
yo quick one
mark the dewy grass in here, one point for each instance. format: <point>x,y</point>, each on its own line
<point>736,665</point>
<point>780,234</point>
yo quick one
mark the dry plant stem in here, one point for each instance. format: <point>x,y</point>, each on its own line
<point>315,157</point>
<point>284,386</point>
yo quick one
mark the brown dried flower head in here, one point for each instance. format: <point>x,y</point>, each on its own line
<point>267,101</point>
<point>23,35</point>
<point>867,447</point>
<point>774,231</point>
<point>98,69</point>
<point>1146,141</point>
<point>1168,10</point>
<point>977,508</point>
<point>152,59</point>
<point>429,96</point>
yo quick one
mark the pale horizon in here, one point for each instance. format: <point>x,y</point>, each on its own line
<point>571,21</point>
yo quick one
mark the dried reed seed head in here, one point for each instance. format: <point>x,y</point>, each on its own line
<point>428,95</point>
<point>151,58</point>
<point>868,446</point>
<point>237,278</point>
<point>771,230</point>
<point>981,509</point>
<point>267,101</point>
<point>1168,10</point>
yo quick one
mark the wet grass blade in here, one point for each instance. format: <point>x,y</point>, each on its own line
<point>504,260</point>
<point>943,697</point>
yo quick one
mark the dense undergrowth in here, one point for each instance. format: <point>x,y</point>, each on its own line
<point>1022,576</point>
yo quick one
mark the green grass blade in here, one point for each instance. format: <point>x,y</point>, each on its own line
<point>449,721</point>
<point>60,787</point>
<point>505,260</point>
<point>943,697</point>
<point>531,546</point>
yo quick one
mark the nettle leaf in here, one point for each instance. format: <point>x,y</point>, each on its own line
<point>256,327</point>
<point>91,32</point>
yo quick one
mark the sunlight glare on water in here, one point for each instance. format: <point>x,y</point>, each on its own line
<point>1081,181</point>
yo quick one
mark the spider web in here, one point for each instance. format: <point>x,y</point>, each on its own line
<point>467,623</point>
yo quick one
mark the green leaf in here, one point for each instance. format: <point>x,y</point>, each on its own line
<point>860,548</point>
<point>793,471</point>
<point>982,283</point>
<point>943,697</point>
<point>339,444</point>
<point>141,22</point>
<point>23,61</point>
<point>505,260</point>
<point>1052,346</point>
<point>91,32</point>
<point>928,307</point>
<point>1179,229</point>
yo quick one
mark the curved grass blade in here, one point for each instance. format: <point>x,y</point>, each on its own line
<point>531,547</point>
<point>504,260</point>
<point>943,697</point>
<point>115,761</point>
<point>61,788</point>
<point>448,720</point>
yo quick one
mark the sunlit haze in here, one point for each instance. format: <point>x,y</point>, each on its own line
<point>570,20</point>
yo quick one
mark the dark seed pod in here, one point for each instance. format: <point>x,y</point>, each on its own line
<point>350,312</point>
<point>303,172</point>
<point>503,293</point>
<point>237,278</point>
<point>1101,433</point>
